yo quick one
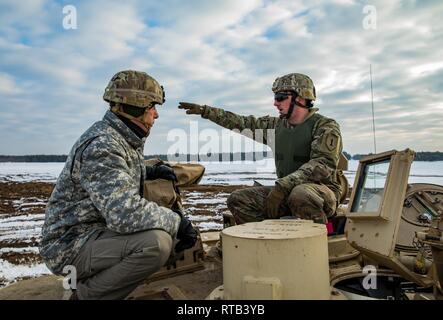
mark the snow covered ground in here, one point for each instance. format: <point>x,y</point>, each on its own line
<point>30,171</point>
<point>19,235</point>
<point>21,229</point>
<point>235,173</point>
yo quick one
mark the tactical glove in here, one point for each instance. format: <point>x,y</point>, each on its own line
<point>160,172</point>
<point>186,235</point>
<point>273,202</point>
<point>192,108</point>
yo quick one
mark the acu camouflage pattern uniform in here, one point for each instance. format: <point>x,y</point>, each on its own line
<point>99,196</point>
<point>310,181</point>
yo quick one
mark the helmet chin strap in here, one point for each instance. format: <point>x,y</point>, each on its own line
<point>291,107</point>
<point>294,102</point>
<point>117,109</point>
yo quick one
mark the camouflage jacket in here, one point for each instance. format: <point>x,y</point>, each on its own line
<point>323,163</point>
<point>100,188</point>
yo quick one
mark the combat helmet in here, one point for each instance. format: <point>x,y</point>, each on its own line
<point>297,82</point>
<point>134,88</point>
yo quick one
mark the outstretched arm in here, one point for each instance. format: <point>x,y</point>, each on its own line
<point>247,125</point>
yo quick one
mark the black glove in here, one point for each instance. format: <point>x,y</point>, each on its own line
<point>186,234</point>
<point>160,172</point>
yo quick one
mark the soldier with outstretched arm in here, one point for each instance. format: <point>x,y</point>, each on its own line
<point>97,220</point>
<point>307,149</point>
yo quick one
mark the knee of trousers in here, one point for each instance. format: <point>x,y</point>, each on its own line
<point>299,196</point>
<point>156,245</point>
<point>234,199</point>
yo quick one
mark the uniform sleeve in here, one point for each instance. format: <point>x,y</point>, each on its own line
<point>106,177</point>
<point>326,148</point>
<point>250,126</point>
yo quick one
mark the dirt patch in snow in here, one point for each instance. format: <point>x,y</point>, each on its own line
<point>18,258</point>
<point>16,243</point>
<point>12,193</point>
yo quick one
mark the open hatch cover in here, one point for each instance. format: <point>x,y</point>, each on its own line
<point>375,209</point>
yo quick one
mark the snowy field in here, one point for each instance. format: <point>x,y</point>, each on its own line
<point>21,228</point>
<point>233,173</point>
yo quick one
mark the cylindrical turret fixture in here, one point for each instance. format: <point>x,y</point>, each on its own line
<point>276,259</point>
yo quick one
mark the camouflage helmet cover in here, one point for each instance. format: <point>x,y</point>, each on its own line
<point>297,82</point>
<point>134,88</point>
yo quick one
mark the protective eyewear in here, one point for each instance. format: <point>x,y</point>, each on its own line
<point>281,96</point>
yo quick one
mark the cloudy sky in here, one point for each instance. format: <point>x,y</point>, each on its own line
<point>226,54</point>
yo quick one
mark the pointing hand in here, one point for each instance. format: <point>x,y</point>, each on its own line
<point>192,108</point>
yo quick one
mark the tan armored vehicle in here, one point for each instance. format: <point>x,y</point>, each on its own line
<point>386,244</point>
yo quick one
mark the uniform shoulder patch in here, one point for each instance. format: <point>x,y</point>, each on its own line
<point>331,141</point>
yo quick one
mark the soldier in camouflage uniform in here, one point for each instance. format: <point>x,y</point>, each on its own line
<point>96,218</point>
<point>306,146</point>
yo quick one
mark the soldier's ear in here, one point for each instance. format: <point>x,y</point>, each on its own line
<point>301,100</point>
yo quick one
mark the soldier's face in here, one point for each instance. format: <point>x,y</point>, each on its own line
<point>149,116</point>
<point>282,105</point>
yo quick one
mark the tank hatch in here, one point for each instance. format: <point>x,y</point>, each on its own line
<point>375,210</point>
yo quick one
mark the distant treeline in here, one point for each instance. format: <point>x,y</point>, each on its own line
<point>176,157</point>
<point>420,156</point>
<point>34,158</point>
